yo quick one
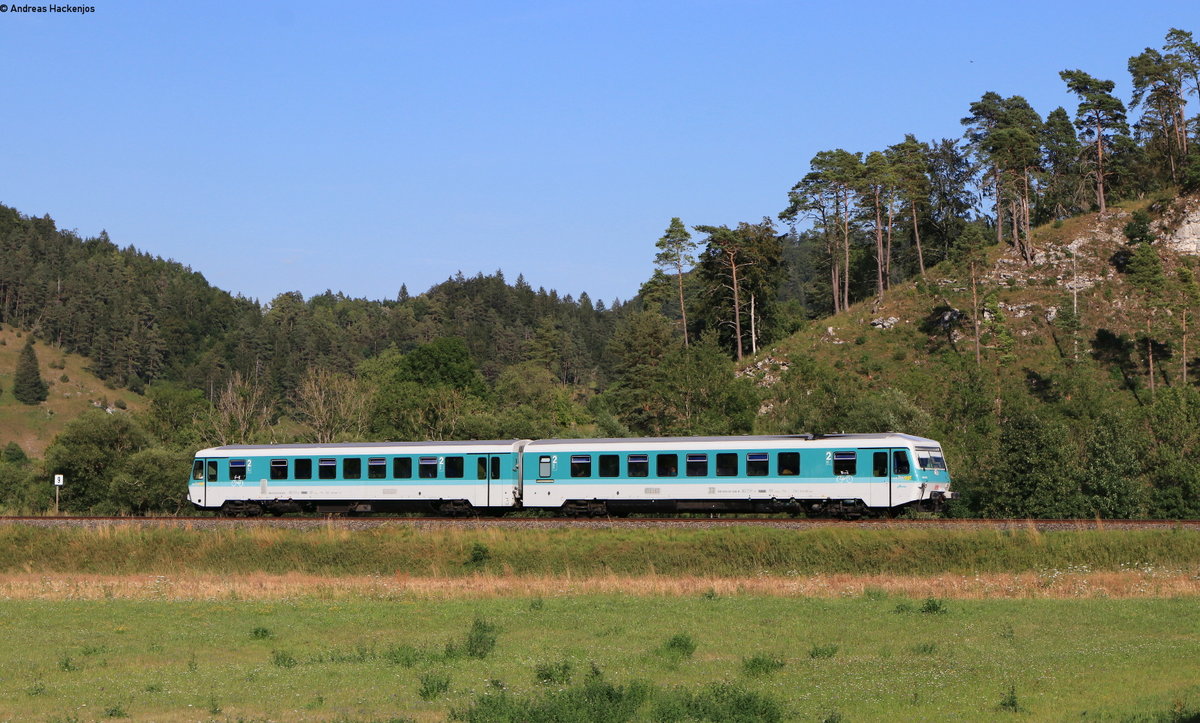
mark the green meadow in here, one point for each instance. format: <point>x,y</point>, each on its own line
<point>871,657</point>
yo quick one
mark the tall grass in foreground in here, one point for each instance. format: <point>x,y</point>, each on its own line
<point>714,552</point>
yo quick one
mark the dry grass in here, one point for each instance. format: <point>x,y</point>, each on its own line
<point>1053,584</point>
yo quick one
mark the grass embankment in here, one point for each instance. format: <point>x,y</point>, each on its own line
<point>417,550</point>
<point>612,658</point>
<point>417,561</point>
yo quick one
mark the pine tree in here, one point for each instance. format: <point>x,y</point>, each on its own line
<point>28,386</point>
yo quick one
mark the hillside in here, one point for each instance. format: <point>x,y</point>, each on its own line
<point>1025,309</point>
<point>73,389</point>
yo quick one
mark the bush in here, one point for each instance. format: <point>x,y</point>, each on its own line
<point>761,665</point>
<point>481,640</point>
<point>433,685</point>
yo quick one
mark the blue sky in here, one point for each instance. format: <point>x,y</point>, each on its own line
<point>280,146</point>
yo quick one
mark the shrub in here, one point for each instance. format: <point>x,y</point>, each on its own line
<point>433,685</point>
<point>679,645</point>
<point>261,633</point>
<point>717,702</point>
<point>933,606</point>
<point>283,659</point>
<point>761,665</point>
<point>553,673</point>
<point>481,640</point>
<point>822,651</point>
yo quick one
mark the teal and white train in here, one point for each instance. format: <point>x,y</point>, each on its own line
<point>837,474</point>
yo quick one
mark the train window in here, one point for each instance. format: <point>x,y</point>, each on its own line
<point>900,463</point>
<point>376,468</point>
<point>610,465</point>
<point>845,463</point>
<point>351,468</point>
<point>581,465</point>
<point>427,467</point>
<point>237,469</point>
<point>879,464</point>
<point>638,465</point>
<point>327,468</point>
<point>212,471</point>
<point>303,469</point>
<point>758,464</point>
<point>666,465</point>
<point>279,469</point>
<point>727,464</point>
<point>402,467</point>
<point>544,467</point>
<point>198,470</point>
<point>697,465</point>
<point>789,463</point>
<point>454,467</point>
<point>930,459</point>
<point>495,468</point>
<point>481,468</point>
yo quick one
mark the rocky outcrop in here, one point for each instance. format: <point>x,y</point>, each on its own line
<point>1182,229</point>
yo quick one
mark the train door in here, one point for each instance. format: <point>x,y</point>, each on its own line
<point>196,486</point>
<point>489,472</point>
<point>881,479</point>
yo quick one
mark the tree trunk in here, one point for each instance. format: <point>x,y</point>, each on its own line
<point>1100,166</point>
<point>917,239</point>
<point>737,303</point>
<point>682,311</point>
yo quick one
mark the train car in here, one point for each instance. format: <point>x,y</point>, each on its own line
<point>443,477</point>
<point>846,474</point>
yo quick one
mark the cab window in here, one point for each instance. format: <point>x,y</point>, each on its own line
<point>900,463</point>
<point>198,470</point>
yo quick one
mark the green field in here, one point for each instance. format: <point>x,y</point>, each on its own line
<point>871,657</point>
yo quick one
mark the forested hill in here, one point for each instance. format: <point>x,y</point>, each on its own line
<point>142,319</point>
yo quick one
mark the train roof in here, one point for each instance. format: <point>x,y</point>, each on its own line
<point>517,445</point>
<point>343,448</point>
<point>745,442</point>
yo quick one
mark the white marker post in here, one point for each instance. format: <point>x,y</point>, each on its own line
<point>58,483</point>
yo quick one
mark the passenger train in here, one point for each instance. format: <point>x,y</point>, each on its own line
<point>838,474</point>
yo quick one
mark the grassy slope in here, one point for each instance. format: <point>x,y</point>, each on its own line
<point>34,427</point>
<point>910,358</point>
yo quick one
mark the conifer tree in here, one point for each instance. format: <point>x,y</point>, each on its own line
<point>28,386</point>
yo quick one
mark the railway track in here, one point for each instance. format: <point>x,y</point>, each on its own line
<point>600,522</point>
